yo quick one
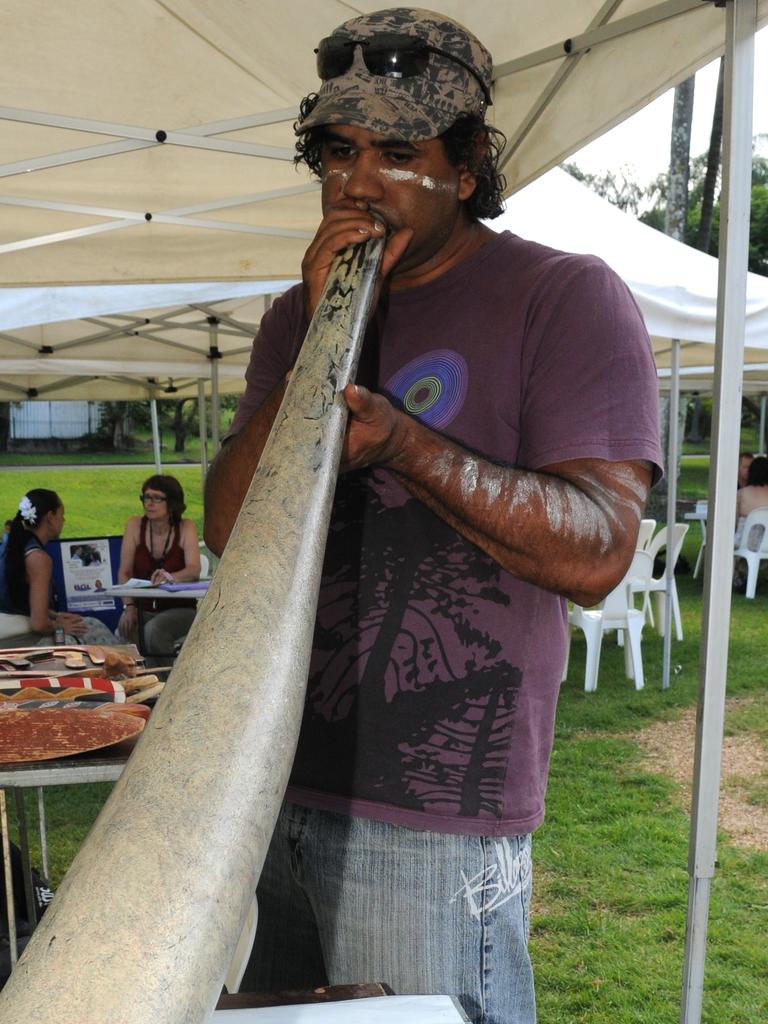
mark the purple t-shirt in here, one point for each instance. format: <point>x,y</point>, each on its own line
<point>435,673</point>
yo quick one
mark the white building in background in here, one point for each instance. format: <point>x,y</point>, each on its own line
<point>31,420</point>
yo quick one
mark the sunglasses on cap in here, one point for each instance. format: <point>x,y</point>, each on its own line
<point>386,55</point>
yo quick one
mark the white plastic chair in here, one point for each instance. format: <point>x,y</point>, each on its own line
<point>647,526</point>
<point>208,561</point>
<point>658,584</point>
<point>615,612</point>
<point>644,539</point>
<point>700,514</point>
<point>757,517</point>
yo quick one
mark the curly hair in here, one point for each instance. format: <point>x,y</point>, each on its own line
<point>469,142</point>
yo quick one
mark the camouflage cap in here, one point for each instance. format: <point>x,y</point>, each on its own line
<point>421,107</point>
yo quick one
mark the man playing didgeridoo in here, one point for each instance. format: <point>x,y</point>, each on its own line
<point>501,443</point>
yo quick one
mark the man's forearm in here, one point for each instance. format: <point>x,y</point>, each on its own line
<point>570,528</point>
<point>231,472</point>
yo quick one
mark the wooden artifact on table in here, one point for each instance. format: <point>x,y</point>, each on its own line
<point>23,739</point>
<point>149,694</point>
<point>90,684</point>
<point>43,733</point>
<point>86,659</point>
<point>64,695</point>
<point>140,687</point>
<point>48,702</point>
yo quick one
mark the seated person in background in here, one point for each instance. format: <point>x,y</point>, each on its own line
<point>754,494</point>
<point>26,574</point>
<point>162,547</point>
<point>745,461</point>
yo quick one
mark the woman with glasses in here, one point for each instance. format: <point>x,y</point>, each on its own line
<point>27,613</point>
<point>160,546</point>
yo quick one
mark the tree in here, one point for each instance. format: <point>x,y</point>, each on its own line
<point>675,220</point>
<point>184,423</point>
<point>617,188</point>
<point>678,176</point>
<point>116,424</point>
<point>713,168</point>
<point>629,196</point>
<point>118,420</point>
<point>758,226</point>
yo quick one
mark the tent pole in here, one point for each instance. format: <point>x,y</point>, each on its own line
<point>214,355</point>
<point>761,437</point>
<point>741,20</point>
<point>155,434</point>
<point>203,427</point>
<point>674,434</point>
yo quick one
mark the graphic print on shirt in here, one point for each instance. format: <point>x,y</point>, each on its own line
<point>432,387</point>
<point>410,702</point>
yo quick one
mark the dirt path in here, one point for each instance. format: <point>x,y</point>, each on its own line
<point>669,750</point>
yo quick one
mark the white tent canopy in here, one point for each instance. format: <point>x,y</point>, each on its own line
<point>126,350</point>
<point>111,344</point>
<point>153,142</point>
<point>29,307</point>
<point>674,284</point>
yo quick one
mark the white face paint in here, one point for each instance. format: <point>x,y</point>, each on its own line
<point>395,174</point>
<point>422,180</point>
<point>338,173</point>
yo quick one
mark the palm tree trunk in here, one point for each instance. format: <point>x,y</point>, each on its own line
<point>679,161</point>
<point>713,168</point>
<point>675,220</point>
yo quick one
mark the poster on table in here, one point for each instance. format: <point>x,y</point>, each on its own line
<point>87,568</point>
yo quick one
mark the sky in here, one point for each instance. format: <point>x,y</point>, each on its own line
<point>640,146</point>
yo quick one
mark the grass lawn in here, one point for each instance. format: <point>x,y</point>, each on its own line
<point>693,481</point>
<point>97,500</point>
<point>138,456</point>
<point>610,861</point>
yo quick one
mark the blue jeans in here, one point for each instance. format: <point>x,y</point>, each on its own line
<point>345,900</point>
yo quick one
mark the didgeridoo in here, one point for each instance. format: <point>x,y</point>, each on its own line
<point>197,802</point>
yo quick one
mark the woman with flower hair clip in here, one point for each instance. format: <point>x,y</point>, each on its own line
<point>26,573</point>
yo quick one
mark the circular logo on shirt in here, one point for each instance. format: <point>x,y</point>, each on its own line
<point>433,387</point>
